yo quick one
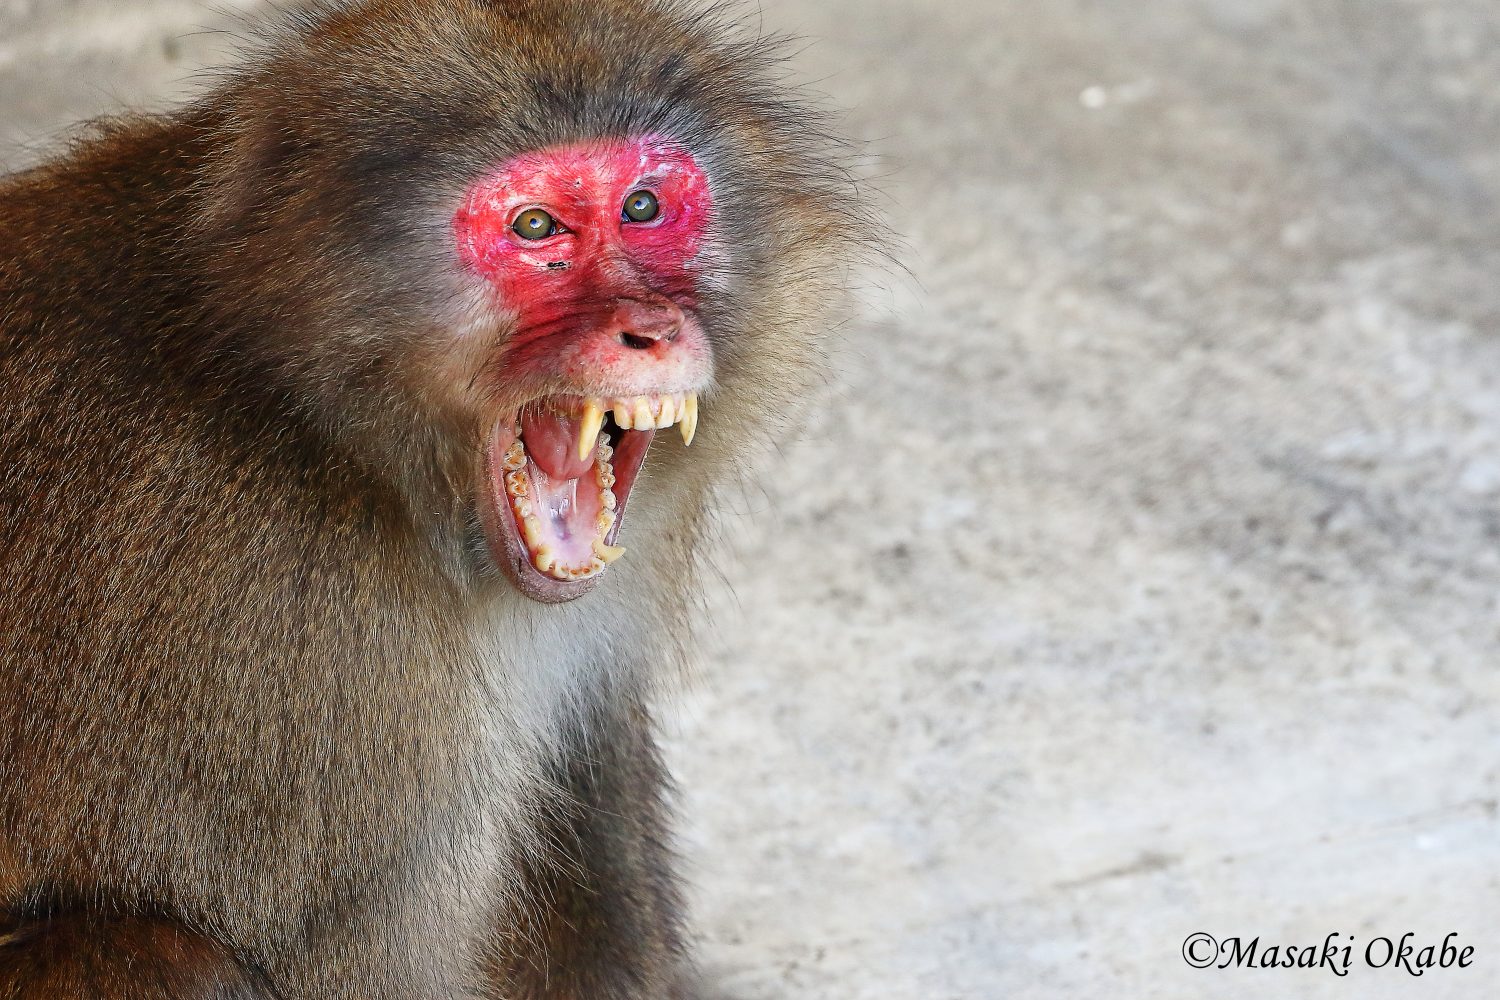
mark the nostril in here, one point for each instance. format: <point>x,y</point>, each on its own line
<point>642,325</point>
<point>637,342</point>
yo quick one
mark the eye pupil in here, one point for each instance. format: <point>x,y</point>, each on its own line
<point>641,206</point>
<point>534,224</point>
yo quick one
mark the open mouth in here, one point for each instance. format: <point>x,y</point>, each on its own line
<point>558,476</point>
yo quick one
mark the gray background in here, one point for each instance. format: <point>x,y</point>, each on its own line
<point>1138,574</point>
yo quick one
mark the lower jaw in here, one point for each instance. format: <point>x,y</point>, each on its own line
<point>569,574</point>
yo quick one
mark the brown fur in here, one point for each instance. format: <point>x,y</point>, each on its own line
<point>81,956</point>
<point>269,721</point>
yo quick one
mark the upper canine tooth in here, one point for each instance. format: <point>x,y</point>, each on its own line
<point>589,427</point>
<point>689,418</point>
<point>623,414</point>
<point>668,413</point>
<point>644,421</point>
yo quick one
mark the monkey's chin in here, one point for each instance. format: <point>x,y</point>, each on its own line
<point>552,507</point>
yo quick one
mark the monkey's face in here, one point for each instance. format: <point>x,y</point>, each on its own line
<point>482,253</point>
<point>592,251</point>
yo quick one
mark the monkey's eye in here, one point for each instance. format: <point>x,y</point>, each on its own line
<point>534,224</point>
<point>640,207</point>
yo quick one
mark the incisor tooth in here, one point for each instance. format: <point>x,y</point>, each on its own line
<point>588,428</point>
<point>644,421</point>
<point>668,413</point>
<point>543,559</point>
<point>689,417</point>
<point>623,414</point>
<point>607,553</point>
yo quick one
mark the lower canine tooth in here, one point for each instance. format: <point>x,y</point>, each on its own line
<point>544,559</point>
<point>607,553</point>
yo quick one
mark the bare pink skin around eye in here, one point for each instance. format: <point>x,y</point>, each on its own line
<point>596,257</point>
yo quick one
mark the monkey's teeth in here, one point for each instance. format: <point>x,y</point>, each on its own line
<point>688,418</point>
<point>531,531</point>
<point>604,475</point>
<point>558,557</point>
<point>515,457</point>
<point>648,413</point>
<point>642,417</point>
<point>622,412</point>
<point>607,553</point>
<point>589,427</point>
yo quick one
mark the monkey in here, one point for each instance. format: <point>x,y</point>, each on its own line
<point>350,524</point>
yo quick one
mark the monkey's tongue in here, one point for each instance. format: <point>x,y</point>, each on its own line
<point>564,487</point>
<point>552,443</point>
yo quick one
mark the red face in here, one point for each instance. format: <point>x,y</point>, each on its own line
<point>593,249</point>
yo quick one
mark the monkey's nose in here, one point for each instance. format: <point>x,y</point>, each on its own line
<point>642,325</point>
<point>639,346</point>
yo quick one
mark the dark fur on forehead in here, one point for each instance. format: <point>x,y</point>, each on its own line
<point>400,99</point>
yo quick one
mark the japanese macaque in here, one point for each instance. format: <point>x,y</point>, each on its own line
<point>348,518</point>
